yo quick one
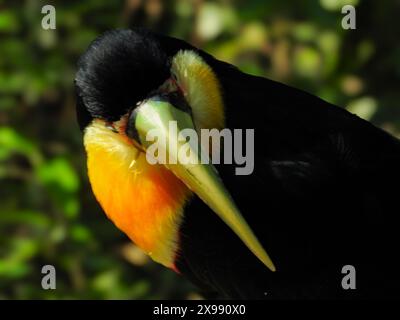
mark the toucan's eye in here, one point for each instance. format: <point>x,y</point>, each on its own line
<point>111,127</point>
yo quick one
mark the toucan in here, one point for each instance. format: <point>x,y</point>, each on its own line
<point>315,219</point>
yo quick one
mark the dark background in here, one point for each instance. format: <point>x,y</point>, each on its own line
<point>47,212</point>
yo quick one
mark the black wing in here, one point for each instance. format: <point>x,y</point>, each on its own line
<point>323,195</point>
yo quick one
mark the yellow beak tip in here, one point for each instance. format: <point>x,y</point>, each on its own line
<point>269,264</point>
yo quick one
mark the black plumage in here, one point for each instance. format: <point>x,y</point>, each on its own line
<point>323,193</point>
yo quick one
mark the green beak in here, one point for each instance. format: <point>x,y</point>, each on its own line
<point>155,116</point>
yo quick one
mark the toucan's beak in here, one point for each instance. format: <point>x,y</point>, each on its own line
<point>155,115</point>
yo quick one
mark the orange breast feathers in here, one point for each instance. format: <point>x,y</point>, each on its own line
<point>144,201</point>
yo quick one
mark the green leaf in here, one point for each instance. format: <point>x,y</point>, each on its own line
<point>364,107</point>
<point>15,264</point>
<point>71,207</point>
<point>58,172</point>
<point>307,62</point>
<point>80,233</point>
<point>8,21</point>
<point>336,5</point>
<point>11,141</point>
<point>33,218</point>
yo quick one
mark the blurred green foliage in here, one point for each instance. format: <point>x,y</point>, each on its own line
<point>47,212</point>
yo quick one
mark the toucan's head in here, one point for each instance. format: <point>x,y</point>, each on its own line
<point>130,82</point>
